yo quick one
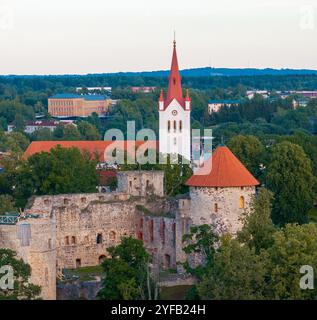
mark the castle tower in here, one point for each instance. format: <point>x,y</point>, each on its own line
<point>174,115</point>
<point>220,192</point>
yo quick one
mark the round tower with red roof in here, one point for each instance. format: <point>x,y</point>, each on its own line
<point>174,115</point>
<point>220,192</point>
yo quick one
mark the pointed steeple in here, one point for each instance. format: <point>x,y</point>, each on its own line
<point>187,98</point>
<point>174,90</point>
<point>161,95</point>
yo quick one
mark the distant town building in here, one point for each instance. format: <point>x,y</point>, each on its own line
<point>74,105</point>
<point>216,105</point>
<point>32,126</point>
<point>92,89</point>
<point>143,89</point>
<point>263,93</point>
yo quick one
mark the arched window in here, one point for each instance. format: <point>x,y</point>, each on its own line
<point>50,243</point>
<point>216,207</point>
<point>175,125</point>
<point>99,238</point>
<point>241,202</point>
<point>73,240</point>
<point>112,235</point>
<point>67,240</point>
<point>168,125</point>
<point>180,125</point>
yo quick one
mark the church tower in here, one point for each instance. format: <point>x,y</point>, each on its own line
<point>174,115</point>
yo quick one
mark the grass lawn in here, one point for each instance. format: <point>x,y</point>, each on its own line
<point>174,293</point>
<point>313,215</point>
<point>85,273</point>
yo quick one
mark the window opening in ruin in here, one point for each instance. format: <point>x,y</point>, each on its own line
<point>99,238</point>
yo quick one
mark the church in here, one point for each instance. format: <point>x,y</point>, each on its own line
<point>174,115</point>
<point>58,232</point>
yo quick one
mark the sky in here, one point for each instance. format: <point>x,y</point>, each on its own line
<point>97,36</point>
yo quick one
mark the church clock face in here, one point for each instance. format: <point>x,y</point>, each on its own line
<point>174,113</point>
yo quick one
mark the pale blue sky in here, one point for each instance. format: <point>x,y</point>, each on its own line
<point>77,36</point>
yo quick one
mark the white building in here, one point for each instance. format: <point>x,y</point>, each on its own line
<point>32,126</point>
<point>174,116</point>
<point>216,105</point>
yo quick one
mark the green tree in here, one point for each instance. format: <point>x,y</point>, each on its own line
<point>88,131</point>
<point>57,172</point>
<point>237,273</point>
<point>290,177</point>
<point>258,227</point>
<point>294,246</point>
<point>6,203</point>
<point>127,274</point>
<point>249,150</point>
<point>22,288</point>
<point>71,133</point>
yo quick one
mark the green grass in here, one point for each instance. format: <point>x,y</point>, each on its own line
<point>85,273</point>
<point>313,215</point>
<point>174,293</point>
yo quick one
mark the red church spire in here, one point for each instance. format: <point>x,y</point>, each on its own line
<point>174,90</point>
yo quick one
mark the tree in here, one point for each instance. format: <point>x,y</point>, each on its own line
<point>294,246</point>
<point>57,172</point>
<point>127,272</point>
<point>13,142</point>
<point>22,288</point>
<point>290,177</point>
<point>249,150</point>
<point>200,242</point>
<point>71,133</point>
<point>88,131</point>
<point>237,273</point>
<point>6,203</point>
<point>258,227</point>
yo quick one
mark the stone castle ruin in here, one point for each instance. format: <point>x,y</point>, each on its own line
<point>75,230</point>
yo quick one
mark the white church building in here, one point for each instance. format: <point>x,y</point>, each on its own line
<point>174,116</point>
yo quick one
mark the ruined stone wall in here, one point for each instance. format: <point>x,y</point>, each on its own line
<point>219,207</point>
<point>159,235</point>
<point>87,224</point>
<point>39,253</point>
<point>141,183</point>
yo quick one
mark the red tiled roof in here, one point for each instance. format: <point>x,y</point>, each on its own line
<point>226,171</point>
<point>92,147</point>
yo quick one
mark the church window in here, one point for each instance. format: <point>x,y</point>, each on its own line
<point>168,125</point>
<point>175,125</point>
<point>180,125</point>
<point>50,243</point>
<point>67,240</point>
<point>73,240</point>
<point>216,207</point>
<point>241,202</point>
